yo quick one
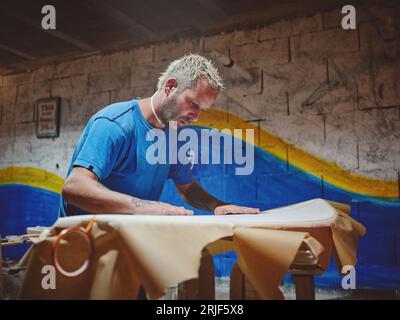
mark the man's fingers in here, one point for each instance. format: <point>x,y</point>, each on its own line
<point>253,210</point>
<point>180,211</point>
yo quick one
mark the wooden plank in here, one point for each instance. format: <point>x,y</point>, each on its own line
<point>202,288</point>
<point>236,284</point>
<point>304,287</point>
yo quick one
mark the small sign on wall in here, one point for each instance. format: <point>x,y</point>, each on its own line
<point>48,118</point>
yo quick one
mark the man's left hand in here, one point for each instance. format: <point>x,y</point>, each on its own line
<point>232,209</point>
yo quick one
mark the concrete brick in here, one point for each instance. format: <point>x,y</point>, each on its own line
<point>286,84</point>
<point>377,125</point>
<point>377,249</point>
<point>340,149</point>
<point>261,54</point>
<point>380,174</point>
<point>220,104</point>
<point>287,28</point>
<point>8,97</point>
<point>373,41</point>
<point>27,146</point>
<point>56,161</point>
<point>250,102</point>
<point>121,95</point>
<point>142,92</point>
<point>131,93</point>
<point>65,105</point>
<point>128,58</point>
<point>374,127</point>
<point>147,75</point>
<point>239,110</point>
<point>242,37</point>
<point>72,137</point>
<point>82,65</point>
<point>221,42</point>
<point>339,116</point>
<point>375,156</point>
<point>240,187</point>
<point>27,96</point>
<point>380,87</point>
<point>305,132</point>
<point>83,107</point>
<point>17,79</point>
<point>73,134</point>
<point>7,142</point>
<point>69,87</point>
<point>322,44</point>
<point>29,149</point>
<point>173,50</point>
<point>44,73</point>
<point>258,106</point>
<point>339,144</point>
<point>101,81</point>
<point>379,84</point>
<point>346,72</point>
<point>273,160</point>
<point>284,189</point>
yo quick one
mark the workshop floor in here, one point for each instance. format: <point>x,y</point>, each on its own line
<point>222,293</point>
<point>12,279</point>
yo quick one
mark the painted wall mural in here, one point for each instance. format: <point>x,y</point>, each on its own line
<point>283,174</point>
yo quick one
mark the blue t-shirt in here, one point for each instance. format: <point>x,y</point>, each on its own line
<point>113,146</point>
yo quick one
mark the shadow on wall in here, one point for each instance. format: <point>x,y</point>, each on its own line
<point>30,197</point>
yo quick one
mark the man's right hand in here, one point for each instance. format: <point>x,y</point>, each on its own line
<point>147,207</point>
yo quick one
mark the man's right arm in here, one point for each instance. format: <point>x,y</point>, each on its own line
<point>83,189</point>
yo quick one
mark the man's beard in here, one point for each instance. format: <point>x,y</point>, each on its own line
<point>170,112</point>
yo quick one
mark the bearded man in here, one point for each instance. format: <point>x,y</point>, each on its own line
<point>109,172</point>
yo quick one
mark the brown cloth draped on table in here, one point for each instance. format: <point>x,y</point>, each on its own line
<point>159,251</point>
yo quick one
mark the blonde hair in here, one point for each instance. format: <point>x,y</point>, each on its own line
<point>189,70</point>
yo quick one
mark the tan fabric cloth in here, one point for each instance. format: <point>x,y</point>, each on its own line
<point>266,255</point>
<point>159,251</point>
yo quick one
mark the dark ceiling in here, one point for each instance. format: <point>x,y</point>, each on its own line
<point>90,26</point>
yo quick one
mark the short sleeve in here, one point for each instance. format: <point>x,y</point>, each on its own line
<point>101,148</point>
<point>181,173</point>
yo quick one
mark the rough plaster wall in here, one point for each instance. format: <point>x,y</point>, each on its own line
<point>333,92</point>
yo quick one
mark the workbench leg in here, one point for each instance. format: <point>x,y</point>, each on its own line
<point>240,287</point>
<point>202,288</point>
<point>237,284</point>
<point>305,289</point>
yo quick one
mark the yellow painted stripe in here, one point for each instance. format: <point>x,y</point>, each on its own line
<point>33,177</point>
<point>332,173</point>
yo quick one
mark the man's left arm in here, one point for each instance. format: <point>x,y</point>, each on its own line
<point>194,194</point>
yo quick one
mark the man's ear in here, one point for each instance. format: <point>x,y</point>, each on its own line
<point>170,85</point>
